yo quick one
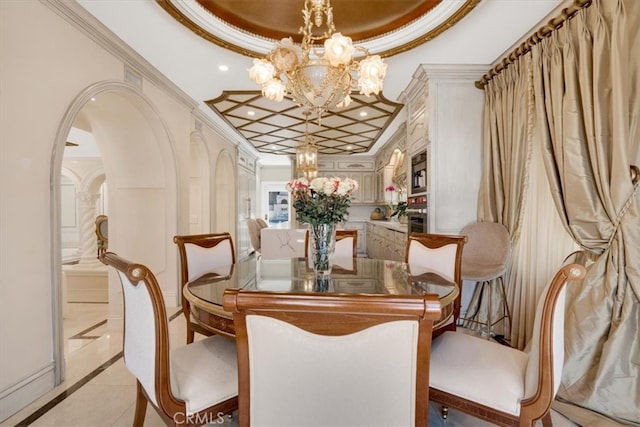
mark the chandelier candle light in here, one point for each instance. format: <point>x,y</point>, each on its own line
<point>318,78</point>
<point>307,154</point>
<point>322,203</point>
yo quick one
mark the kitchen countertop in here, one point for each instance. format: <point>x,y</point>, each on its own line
<point>390,225</point>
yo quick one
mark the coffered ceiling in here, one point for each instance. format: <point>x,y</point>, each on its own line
<point>278,127</point>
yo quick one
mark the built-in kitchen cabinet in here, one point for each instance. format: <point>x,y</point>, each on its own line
<point>391,164</point>
<point>361,169</point>
<point>246,201</point>
<point>386,241</point>
<point>444,133</point>
<point>379,188</point>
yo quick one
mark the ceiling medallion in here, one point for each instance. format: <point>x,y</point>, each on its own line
<point>318,78</point>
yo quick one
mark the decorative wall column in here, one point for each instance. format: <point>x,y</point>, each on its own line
<point>88,239</point>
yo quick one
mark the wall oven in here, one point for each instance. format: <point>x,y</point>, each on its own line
<point>417,222</point>
<point>417,218</point>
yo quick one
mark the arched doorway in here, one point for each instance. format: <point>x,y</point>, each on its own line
<point>199,186</point>
<point>225,194</point>
<point>140,169</point>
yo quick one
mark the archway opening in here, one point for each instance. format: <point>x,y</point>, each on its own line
<point>139,166</point>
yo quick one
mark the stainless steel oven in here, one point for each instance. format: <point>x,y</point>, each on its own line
<point>418,220</point>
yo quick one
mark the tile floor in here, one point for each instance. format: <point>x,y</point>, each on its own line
<point>99,391</point>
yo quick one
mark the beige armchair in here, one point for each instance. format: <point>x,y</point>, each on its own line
<point>254,233</point>
<point>485,258</point>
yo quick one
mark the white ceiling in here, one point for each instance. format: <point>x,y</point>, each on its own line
<point>489,31</point>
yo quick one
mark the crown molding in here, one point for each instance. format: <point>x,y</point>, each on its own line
<point>81,19</point>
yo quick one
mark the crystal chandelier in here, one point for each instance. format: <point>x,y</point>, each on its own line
<point>318,78</point>
<point>307,154</point>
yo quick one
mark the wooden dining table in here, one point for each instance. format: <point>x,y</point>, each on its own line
<point>349,275</point>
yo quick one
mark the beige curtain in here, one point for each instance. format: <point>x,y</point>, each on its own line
<point>587,81</point>
<point>508,127</point>
<point>515,192</point>
<point>538,253</point>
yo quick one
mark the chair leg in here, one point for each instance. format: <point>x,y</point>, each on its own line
<point>471,317</point>
<point>489,310</point>
<point>141,406</point>
<point>505,305</point>
<point>506,314</point>
<point>546,420</point>
<point>190,334</point>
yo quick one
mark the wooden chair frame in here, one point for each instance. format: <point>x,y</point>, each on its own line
<point>338,314</point>
<point>102,233</point>
<point>538,406</point>
<point>434,241</point>
<point>171,409</point>
<point>206,241</point>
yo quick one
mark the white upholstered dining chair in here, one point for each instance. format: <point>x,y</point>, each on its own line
<point>346,244</point>
<point>309,359</point>
<point>200,253</point>
<point>498,383</point>
<point>188,385</point>
<point>277,243</point>
<point>440,254</point>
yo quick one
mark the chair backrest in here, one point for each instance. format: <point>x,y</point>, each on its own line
<point>254,233</point>
<point>262,223</point>
<point>346,243</point>
<point>546,350</point>
<point>146,337</point>
<point>436,253</point>
<point>487,251</point>
<point>304,358</point>
<point>278,243</point>
<point>202,252</point>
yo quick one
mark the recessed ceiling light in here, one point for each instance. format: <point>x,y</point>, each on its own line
<point>251,113</point>
<point>363,113</point>
<point>93,98</point>
<point>223,68</point>
<point>273,147</point>
<point>348,147</point>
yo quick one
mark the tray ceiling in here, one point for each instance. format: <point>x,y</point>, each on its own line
<point>249,27</point>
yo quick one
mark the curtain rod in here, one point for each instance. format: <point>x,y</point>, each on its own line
<point>543,32</point>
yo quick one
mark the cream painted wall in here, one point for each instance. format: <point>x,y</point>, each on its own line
<point>48,72</point>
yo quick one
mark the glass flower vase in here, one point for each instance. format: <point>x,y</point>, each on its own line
<point>323,244</point>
